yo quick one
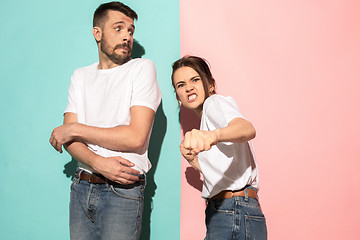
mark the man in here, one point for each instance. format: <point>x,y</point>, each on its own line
<point>107,125</point>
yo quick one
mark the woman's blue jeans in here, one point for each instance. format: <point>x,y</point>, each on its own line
<point>104,211</point>
<point>238,218</point>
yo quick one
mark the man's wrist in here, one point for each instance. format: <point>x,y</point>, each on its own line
<point>95,163</point>
<point>75,131</point>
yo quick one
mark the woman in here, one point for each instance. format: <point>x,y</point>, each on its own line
<point>221,151</point>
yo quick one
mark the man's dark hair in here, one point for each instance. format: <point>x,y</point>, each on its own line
<point>101,12</point>
<point>201,66</point>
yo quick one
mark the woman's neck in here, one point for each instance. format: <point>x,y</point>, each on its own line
<point>199,111</point>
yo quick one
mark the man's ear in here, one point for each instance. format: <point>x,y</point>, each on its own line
<point>97,33</point>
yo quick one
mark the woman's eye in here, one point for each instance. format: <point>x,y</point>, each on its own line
<point>196,79</point>
<point>117,29</point>
<point>180,85</point>
<point>131,33</point>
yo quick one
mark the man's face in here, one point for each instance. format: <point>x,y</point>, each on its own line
<point>117,37</point>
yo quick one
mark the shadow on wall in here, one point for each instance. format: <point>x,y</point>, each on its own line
<point>189,120</point>
<point>156,140</point>
<point>138,50</point>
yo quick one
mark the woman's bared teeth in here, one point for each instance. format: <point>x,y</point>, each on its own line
<point>191,97</point>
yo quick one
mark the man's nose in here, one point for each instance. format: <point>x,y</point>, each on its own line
<point>127,36</point>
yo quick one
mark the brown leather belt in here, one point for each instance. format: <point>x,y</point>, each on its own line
<point>97,178</point>
<point>239,193</point>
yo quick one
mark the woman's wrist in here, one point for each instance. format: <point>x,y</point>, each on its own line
<point>217,134</point>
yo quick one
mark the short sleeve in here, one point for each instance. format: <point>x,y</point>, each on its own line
<point>71,107</point>
<point>146,91</point>
<point>221,110</point>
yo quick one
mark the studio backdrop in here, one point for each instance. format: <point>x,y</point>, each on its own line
<point>292,66</point>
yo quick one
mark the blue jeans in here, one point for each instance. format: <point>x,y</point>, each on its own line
<point>104,211</point>
<point>238,218</point>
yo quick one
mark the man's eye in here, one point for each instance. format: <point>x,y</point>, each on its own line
<point>131,33</point>
<point>117,29</point>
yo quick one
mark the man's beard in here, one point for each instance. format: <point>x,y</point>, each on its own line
<point>114,57</point>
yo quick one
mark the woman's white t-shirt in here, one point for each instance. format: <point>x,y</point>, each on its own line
<point>227,165</point>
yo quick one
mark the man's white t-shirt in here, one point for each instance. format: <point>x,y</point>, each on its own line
<point>103,98</point>
<point>227,165</point>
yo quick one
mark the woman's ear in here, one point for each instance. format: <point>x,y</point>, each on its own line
<point>211,89</point>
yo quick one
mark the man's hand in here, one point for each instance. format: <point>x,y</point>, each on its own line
<point>197,141</point>
<point>117,169</point>
<point>61,135</point>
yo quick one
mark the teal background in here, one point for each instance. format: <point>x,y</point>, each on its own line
<point>42,43</point>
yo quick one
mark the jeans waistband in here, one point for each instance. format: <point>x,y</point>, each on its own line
<point>97,178</point>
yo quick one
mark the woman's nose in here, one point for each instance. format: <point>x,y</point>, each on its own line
<point>189,87</point>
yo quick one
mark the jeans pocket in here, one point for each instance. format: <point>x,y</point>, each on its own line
<point>127,193</point>
<point>74,181</point>
<point>223,206</point>
<point>255,227</point>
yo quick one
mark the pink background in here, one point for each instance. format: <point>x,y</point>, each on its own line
<point>294,69</point>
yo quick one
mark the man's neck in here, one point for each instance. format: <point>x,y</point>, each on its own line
<point>106,64</point>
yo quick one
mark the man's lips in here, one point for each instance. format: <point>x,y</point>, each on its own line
<point>124,47</point>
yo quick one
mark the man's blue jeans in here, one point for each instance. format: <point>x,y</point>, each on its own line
<point>238,218</point>
<point>103,211</point>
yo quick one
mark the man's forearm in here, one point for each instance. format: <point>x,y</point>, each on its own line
<point>127,138</point>
<point>82,153</point>
<point>120,138</point>
<point>117,169</point>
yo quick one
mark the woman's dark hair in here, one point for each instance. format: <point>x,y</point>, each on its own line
<point>201,66</point>
<point>101,12</point>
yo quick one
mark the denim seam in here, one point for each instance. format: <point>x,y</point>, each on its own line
<point>138,220</point>
<point>255,218</point>
<point>78,199</point>
<point>221,211</point>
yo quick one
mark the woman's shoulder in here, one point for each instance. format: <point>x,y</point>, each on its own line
<point>216,98</point>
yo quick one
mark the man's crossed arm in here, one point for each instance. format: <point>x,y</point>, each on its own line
<point>128,138</point>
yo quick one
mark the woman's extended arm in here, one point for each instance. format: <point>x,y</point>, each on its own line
<point>238,130</point>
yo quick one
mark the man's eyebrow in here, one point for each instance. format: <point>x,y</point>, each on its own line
<point>122,22</point>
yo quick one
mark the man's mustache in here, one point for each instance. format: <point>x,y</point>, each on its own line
<point>123,46</point>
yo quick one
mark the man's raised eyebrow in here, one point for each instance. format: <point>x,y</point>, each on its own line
<point>122,22</point>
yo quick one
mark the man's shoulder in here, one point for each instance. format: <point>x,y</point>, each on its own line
<point>85,69</point>
<point>141,62</point>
